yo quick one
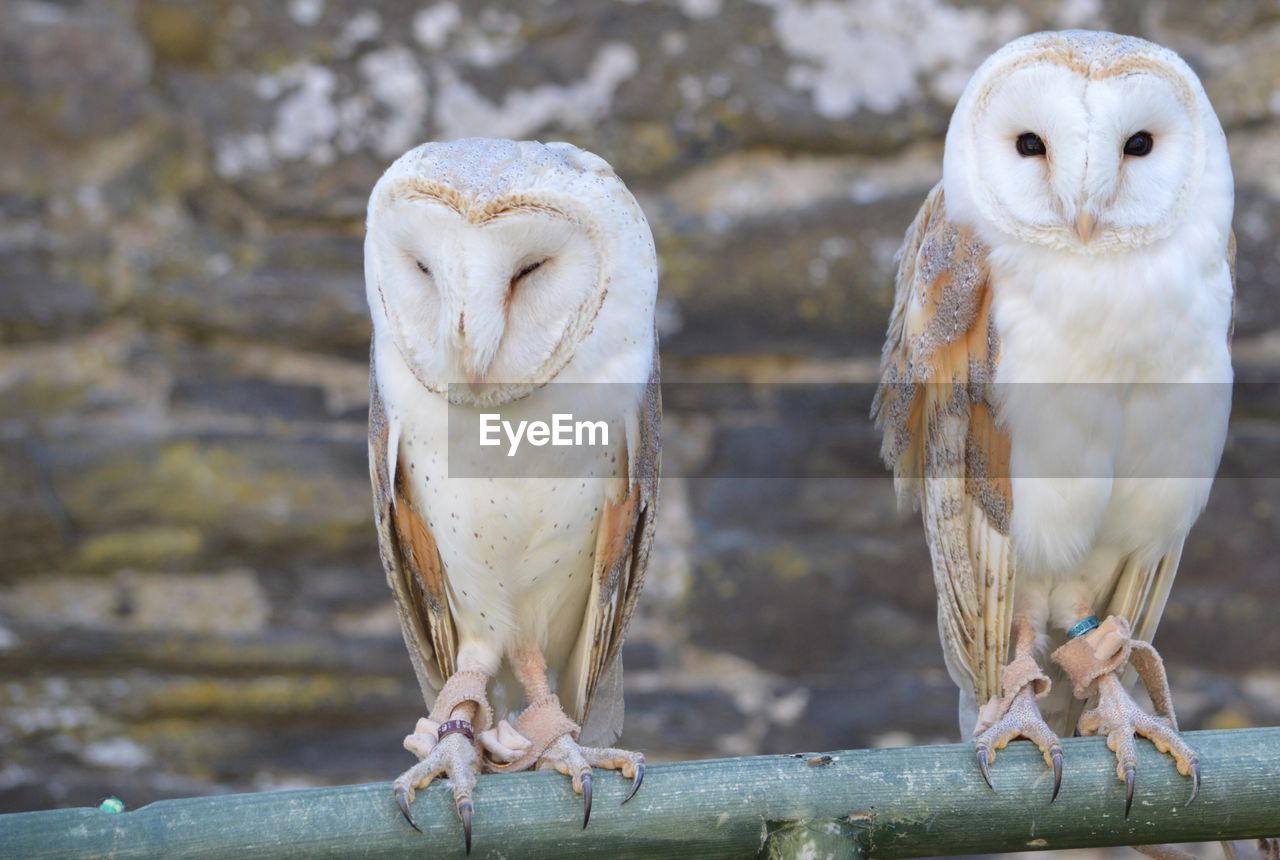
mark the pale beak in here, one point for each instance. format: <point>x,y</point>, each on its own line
<point>467,358</point>
<point>473,369</point>
<point>475,375</point>
<point>475,366</point>
<point>1084,226</point>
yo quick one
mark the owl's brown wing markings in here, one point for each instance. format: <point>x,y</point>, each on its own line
<point>411,560</point>
<point>623,544</point>
<point>942,440</point>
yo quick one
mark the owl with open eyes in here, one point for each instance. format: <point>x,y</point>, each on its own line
<point>1056,383</point>
<point>517,278</point>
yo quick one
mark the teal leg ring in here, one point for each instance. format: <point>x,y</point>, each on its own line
<point>1083,626</point>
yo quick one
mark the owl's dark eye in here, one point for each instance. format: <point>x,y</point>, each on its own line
<point>1030,145</point>
<point>1140,144</point>
<point>422,268</point>
<point>528,270</point>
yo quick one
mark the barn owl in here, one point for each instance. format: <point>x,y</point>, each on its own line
<point>1056,383</point>
<point>494,269</point>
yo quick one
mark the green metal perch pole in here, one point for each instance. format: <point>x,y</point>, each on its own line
<point>879,803</point>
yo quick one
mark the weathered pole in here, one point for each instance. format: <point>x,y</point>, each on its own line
<point>877,803</point>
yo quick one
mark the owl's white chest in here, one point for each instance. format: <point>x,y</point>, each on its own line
<point>518,551</point>
<point>1114,383</point>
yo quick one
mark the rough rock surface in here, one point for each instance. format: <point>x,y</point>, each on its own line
<point>190,598</point>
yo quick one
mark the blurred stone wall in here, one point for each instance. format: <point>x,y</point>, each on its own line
<point>190,599</point>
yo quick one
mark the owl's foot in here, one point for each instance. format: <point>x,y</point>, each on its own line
<point>1016,715</point>
<point>543,737</point>
<point>1119,718</point>
<point>1094,662</point>
<point>575,761</point>
<point>454,755</point>
<point>446,744</point>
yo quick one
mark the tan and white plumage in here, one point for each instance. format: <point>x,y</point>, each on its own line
<point>941,438</point>
<point>493,269</point>
<point>1056,378</point>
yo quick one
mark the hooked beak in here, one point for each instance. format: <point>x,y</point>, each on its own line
<point>1084,225</point>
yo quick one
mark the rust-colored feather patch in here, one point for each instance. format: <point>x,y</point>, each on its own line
<point>419,549</point>
<point>410,558</point>
<point>613,541</point>
<point>623,543</point>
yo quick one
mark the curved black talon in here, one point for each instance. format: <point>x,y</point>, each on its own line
<point>635,783</point>
<point>1195,780</point>
<point>586,799</point>
<point>464,812</point>
<point>1128,788</point>
<point>982,763</point>
<point>1055,753</point>
<point>402,800</point>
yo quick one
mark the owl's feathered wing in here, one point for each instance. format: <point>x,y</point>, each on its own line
<point>410,558</point>
<point>950,455</point>
<point>941,438</point>
<point>418,577</point>
<point>592,686</point>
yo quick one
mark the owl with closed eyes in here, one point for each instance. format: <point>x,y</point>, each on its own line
<point>1056,383</point>
<point>514,279</point>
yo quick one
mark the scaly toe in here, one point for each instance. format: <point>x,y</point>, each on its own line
<point>630,764</point>
<point>1021,720</point>
<point>454,757</point>
<point>572,760</point>
<point>1123,721</point>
